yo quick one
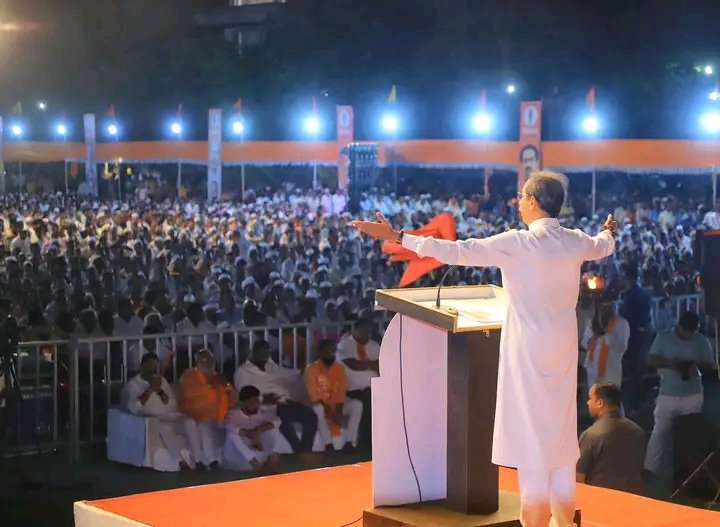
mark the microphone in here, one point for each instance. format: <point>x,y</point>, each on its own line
<point>442,282</point>
<point>513,226</point>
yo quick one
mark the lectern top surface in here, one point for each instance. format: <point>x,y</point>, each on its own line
<point>463,308</point>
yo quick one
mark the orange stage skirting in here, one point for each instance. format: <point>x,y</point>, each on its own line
<point>336,496</point>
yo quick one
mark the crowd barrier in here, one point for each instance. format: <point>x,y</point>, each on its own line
<point>68,386</point>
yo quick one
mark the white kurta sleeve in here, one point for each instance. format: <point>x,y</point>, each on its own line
<point>494,251</point>
<point>597,247</point>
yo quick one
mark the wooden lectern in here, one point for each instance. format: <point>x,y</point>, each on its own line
<point>447,362</point>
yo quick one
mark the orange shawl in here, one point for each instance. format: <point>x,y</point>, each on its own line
<point>202,400</point>
<point>604,349</point>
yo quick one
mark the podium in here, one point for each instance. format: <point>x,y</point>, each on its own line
<point>435,397</point>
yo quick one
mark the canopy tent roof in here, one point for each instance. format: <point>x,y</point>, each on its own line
<point>572,156</point>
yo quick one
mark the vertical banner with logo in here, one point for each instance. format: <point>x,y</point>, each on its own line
<point>345,136</point>
<point>2,157</point>
<point>90,162</point>
<point>214,169</point>
<point>530,140</point>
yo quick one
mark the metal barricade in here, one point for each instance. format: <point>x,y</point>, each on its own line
<point>80,379</point>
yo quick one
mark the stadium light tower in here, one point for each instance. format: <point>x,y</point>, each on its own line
<point>510,89</point>
<point>42,106</point>
<point>17,131</point>
<point>113,130</point>
<point>312,128</point>
<point>709,70</point>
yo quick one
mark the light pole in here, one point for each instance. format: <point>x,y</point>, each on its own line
<point>238,128</point>
<point>114,131</point>
<point>591,126</point>
<point>17,131</point>
<point>390,124</point>
<point>61,130</point>
<point>177,129</point>
<point>312,127</point>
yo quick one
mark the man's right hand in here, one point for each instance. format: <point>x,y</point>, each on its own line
<point>379,230</point>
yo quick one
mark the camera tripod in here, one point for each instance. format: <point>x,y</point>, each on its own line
<point>703,466</point>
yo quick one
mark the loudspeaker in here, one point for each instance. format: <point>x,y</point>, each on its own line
<point>710,271</point>
<point>363,171</point>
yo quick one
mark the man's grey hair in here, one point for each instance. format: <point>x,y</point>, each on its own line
<point>549,189</point>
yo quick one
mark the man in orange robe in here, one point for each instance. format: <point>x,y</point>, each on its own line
<point>326,384</point>
<point>206,396</point>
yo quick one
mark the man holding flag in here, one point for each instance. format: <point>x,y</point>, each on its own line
<point>536,414</point>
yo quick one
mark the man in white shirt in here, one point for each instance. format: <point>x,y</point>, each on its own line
<point>538,346</point>
<point>127,324</point>
<point>250,435</point>
<point>712,218</point>
<point>150,394</point>
<point>277,385</point>
<point>361,356</point>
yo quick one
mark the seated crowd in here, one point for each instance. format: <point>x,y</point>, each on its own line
<point>237,425</point>
<point>74,268</point>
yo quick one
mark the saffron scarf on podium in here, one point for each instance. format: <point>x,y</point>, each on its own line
<point>441,227</point>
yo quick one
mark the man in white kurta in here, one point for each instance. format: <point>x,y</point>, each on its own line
<point>536,412</point>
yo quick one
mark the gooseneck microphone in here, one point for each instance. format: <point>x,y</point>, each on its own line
<point>442,282</point>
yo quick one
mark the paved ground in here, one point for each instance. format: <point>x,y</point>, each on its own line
<point>39,491</point>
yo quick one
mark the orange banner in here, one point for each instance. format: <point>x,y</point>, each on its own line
<point>530,141</point>
<point>345,136</point>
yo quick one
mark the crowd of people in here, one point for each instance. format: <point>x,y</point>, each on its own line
<point>69,264</point>
<point>78,267</point>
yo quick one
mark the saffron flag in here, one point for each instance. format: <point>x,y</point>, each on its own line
<point>590,99</point>
<point>441,227</point>
<point>483,100</point>
<point>237,107</point>
<point>392,98</point>
<point>179,111</point>
<point>17,108</point>
<point>314,106</point>
<point>111,112</point>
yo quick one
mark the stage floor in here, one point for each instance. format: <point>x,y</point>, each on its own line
<point>337,496</point>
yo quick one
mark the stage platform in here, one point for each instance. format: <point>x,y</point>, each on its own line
<point>335,497</point>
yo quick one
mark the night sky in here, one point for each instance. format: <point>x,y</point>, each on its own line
<point>147,56</point>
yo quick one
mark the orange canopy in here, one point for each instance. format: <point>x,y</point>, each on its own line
<point>621,154</point>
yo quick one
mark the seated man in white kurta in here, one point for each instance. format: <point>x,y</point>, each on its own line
<point>539,342</point>
<point>250,434</point>
<point>149,394</point>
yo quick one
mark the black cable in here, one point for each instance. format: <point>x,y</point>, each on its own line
<point>402,403</point>
<point>407,438</point>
